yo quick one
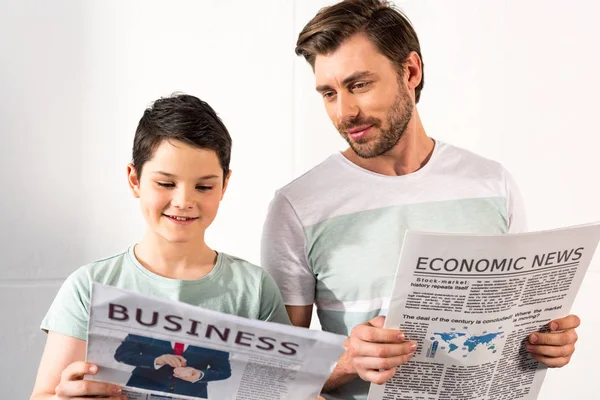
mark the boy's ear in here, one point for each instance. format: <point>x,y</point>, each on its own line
<point>225,184</point>
<point>132,179</point>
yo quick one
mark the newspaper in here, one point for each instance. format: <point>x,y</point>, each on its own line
<point>157,348</point>
<point>470,301</point>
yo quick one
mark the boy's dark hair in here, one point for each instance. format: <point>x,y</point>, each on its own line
<point>387,28</point>
<point>185,118</point>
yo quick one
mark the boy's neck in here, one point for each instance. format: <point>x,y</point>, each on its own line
<point>186,261</point>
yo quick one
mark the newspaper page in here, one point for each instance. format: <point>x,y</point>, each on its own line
<point>470,301</point>
<point>162,349</point>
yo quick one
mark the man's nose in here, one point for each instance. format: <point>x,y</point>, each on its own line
<point>347,109</point>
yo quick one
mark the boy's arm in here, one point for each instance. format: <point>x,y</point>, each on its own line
<point>61,365</point>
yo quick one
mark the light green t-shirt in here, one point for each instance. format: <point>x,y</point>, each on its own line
<point>234,286</point>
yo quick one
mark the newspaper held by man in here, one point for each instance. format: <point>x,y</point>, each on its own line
<point>158,348</point>
<point>470,301</point>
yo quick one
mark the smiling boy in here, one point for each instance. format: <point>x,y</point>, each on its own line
<point>179,173</point>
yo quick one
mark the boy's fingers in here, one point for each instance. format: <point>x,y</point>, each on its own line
<point>77,370</point>
<point>83,388</point>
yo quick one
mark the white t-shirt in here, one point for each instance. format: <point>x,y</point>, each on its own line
<point>333,236</point>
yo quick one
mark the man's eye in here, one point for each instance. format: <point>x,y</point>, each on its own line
<point>328,95</point>
<point>204,188</point>
<point>166,184</point>
<point>360,85</point>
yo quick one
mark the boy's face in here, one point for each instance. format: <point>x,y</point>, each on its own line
<point>180,190</point>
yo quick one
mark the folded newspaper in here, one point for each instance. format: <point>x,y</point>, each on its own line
<point>163,349</point>
<point>470,301</point>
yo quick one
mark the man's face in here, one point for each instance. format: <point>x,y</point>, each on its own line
<point>180,190</point>
<point>364,96</point>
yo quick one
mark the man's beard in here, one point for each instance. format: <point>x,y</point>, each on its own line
<point>398,117</point>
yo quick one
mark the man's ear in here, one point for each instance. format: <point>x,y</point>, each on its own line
<point>225,184</point>
<point>133,180</point>
<point>413,70</point>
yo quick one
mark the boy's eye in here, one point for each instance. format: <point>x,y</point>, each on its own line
<point>203,188</point>
<point>165,184</point>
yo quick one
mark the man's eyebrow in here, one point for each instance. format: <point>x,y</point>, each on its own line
<point>168,175</point>
<point>352,78</point>
<point>357,76</point>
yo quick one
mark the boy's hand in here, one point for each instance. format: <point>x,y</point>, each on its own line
<point>555,349</point>
<point>375,353</point>
<point>72,385</point>
<point>171,360</point>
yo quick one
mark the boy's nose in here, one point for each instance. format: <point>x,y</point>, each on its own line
<point>183,199</point>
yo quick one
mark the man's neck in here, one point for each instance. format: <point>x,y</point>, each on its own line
<point>410,154</point>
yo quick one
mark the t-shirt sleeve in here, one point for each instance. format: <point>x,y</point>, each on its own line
<point>517,220</point>
<point>69,312</point>
<point>283,253</point>
<point>271,304</point>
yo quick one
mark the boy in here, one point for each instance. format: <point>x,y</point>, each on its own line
<point>180,171</point>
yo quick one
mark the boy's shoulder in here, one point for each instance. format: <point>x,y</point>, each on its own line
<point>101,270</point>
<point>240,265</point>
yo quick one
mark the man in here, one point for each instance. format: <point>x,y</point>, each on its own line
<point>333,236</point>
<point>171,366</point>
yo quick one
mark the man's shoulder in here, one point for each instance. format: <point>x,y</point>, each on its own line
<point>460,161</point>
<point>315,180</point>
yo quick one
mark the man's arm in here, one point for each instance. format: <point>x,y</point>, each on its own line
<point>300,315</point>
<point>372,353</point>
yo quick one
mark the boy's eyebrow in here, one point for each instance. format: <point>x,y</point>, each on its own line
<point>168,175</point>
<point>354,77</point>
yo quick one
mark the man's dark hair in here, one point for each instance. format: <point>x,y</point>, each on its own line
<point>184,118</point>
<point>387,28</point>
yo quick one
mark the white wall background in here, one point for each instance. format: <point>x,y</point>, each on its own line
<point>516,81</point>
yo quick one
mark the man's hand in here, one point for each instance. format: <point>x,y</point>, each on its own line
<point>374,353</point>
<point>555,348</point>
<point>188,374</point>
<point>171,360</point>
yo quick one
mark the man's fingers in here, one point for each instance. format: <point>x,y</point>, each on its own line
<point>377,335</point>
<point>378,377</point>
<point>568,322</point>
<point>554,339</point>
<point>377,322</point>
<point>375,363</point>
<point>552,362</point>
<point>388,350</point>
<point>552,351</point>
